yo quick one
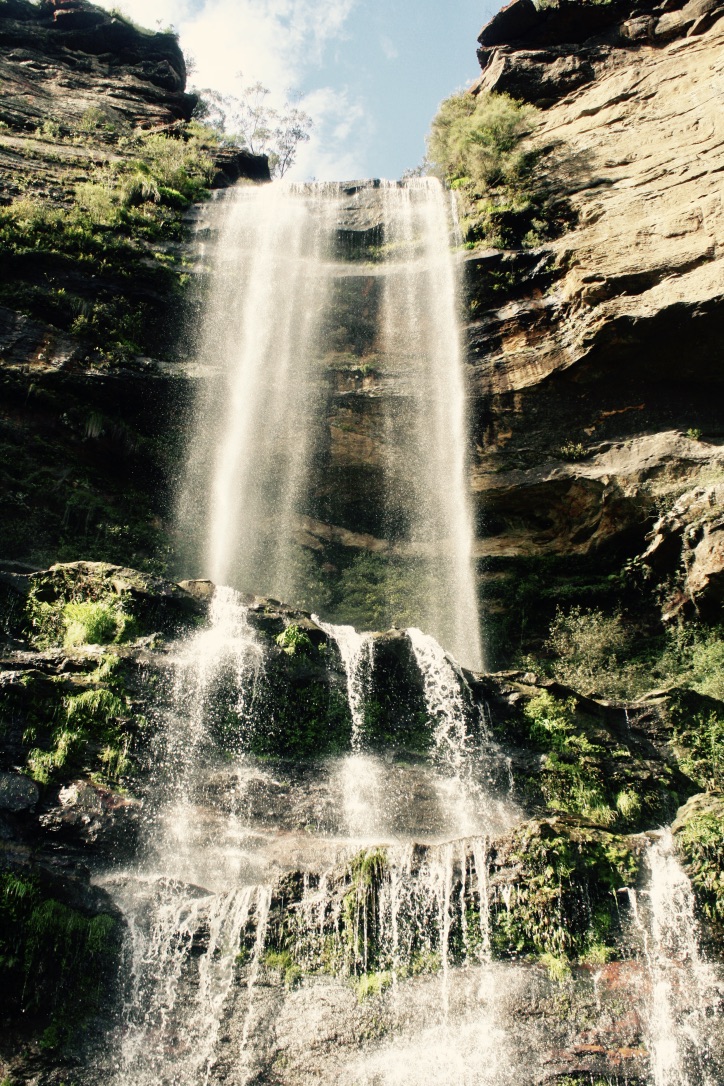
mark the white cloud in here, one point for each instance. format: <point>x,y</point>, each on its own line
<point>389,48</point>
<point>279,43</point>
<point>342,127</point>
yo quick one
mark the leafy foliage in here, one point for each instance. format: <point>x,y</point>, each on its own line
<point>702,841</point>
<point>115,225</point>
<point>249,121</point>
<point>55,963</point>
<point>476,144</point>
<point>563,902</point>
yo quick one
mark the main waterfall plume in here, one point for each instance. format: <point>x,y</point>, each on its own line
<point>284,306</point>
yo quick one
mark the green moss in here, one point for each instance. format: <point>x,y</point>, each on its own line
<point>564,900</point>
<point>372,985</point>
<point>56,964</point>
<point>96,622</point>
<point>285,964</point>
<point>89,719</point>
<point>701,838</point>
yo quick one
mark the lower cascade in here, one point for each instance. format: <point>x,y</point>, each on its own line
<point>368,915</point>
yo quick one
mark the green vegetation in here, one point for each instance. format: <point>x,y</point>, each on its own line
<point>476,144</point>
<point>76,622</point>
<point>563,903</point>
<point>606,654</point>
<point>91,722</point>
<point>108,241</point>
<point>585,773</point>
<point>698,739</point>
<point>55,963</point>
<point>702,841</point>
<point>372,985</point>
<point>374,592</point>
<point>573,450</point>
<point>295,640</point>
<point>282,962</point>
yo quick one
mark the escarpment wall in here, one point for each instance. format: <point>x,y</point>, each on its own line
<point>597,368</point>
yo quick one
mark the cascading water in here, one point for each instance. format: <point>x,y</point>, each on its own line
<point>461,782</point>
<point>257,426</point>
<point>426,438</point>
<point>683,987</point>
<point>205,904</point>
<point>359,776</point>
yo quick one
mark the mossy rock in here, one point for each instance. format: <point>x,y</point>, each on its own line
<point>607,763</point>
<point>556,888</point>
<point>78,603</point>
<point>59,952</point>
<point>699,834</point>
<point>395,716</point>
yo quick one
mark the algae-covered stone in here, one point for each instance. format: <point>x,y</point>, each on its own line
<point>556,888</point>
<point>699,833</point>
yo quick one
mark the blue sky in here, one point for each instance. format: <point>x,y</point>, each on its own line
<point>370,72</point>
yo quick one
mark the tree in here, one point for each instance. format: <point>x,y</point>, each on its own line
<point>249,121</point>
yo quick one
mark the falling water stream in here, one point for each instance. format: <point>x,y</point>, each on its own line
<point>411,914</point>
<point>684,989</point>
<point>268,345</point>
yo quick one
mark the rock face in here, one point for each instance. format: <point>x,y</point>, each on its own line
<point>611,341</point>
<point>74,57</point>
<point>82,92</point>
<point>535,906</point>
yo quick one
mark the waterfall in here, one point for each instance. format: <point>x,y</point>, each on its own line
<point>427,425</point>
<point>462,768</point>
<point>256,428</point>
<point>683,987</point>
<point>203,906</point>
<point>280,315</point>
<point>356,651</point>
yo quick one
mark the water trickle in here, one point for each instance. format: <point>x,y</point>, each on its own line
<point>356,650</point>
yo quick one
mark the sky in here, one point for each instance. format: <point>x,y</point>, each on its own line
<point>371,73</point>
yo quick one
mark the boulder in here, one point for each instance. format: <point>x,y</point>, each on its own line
<point>17,793</point>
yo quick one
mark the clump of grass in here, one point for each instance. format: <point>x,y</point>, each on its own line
<point>372,985</point>
<point>96,622</point>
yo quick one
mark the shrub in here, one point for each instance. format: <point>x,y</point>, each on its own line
<point>475,139</point>
<point>592,654</point>
<point>475,145</point>
<point>573,450</point>
<point>702,841</point>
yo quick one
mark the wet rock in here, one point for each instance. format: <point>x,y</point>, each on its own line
<point>17,793</point>
<point>95,818</point>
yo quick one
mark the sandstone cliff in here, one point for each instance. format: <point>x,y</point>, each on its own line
<point>598,374</point>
